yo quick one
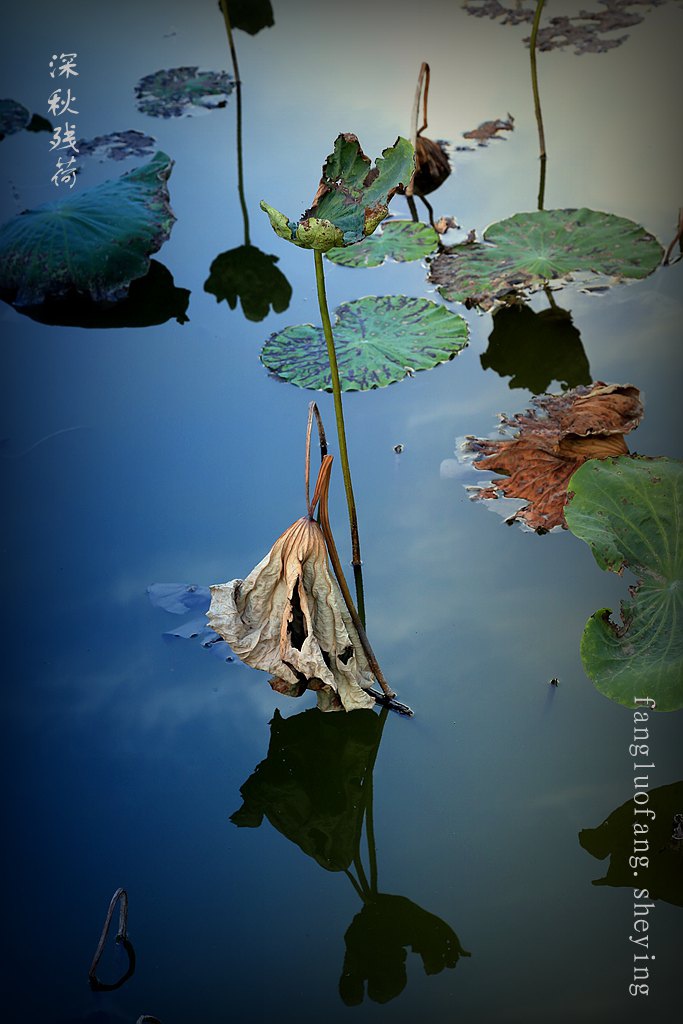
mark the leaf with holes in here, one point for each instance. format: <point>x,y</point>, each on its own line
<point>526,251</point>
<point>379,340</point>
<point>93,243</point>
<point>181,92</point>
<point>352,197</point>
<point>629,510</point>
<point>399,240</point>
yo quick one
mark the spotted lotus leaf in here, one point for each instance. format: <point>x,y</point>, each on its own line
<point>526,251</point>
<point>400,240</point>
<point>179,92</point>
<point>352,198</point>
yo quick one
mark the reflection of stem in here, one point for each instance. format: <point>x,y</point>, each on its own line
<point>537,101</point>
<point>338,410</point>
<point>369,817</point>
<point>356,886</point>
<point>549,296</point>
<point>238,92</point>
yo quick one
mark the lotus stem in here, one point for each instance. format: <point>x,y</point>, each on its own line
<point>338,410</point>
<point>537,101</point>
<point>422,80</point>
<point>238,95</point>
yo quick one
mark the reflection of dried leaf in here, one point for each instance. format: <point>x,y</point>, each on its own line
<point>489,130</point>
<point>552,441</point>
<point>288,618</point>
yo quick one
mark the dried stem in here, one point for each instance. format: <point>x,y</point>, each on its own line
<point>122,937</point>
<point>422,79</point>
<point>537,101</point>
<point>677,238</point>
<point>238,95</point>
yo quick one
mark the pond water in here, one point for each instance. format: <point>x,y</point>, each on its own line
<point>136,456</point>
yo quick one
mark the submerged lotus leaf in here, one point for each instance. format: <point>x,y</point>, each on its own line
<point>312,785</point>
<point>400,240</point>
<point>93,243</point>
<point>352,198</point>
<point>630,510</point>
<point>117,145</point>
<point>379,340</point>
<point>250,275</point>
<point>14,117</point>
<point>553,439</point>
<point>178,92</point>
<point>614,838</point>
<point>526,251</point>
<point>288,618</point>
<point>536,348</point>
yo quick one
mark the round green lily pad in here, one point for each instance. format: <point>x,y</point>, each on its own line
<point>529,249</point>
<point>94,242</point>
<point>379,340</point>
<point>400,240</point>
<point>178,92</point>
<point>630,511</point>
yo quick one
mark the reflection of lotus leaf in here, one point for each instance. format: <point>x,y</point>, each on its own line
<point>178,92</point>
<point>94,243</point>
<point>352,198</point>
<point>13,117</point>
<point>379,340</point>
<point>630,510</point>
<point>152,299</point>
<point>535,349</point>
<point>376,943</point>
<point>250,275</point>
<point>117,145</point>
<point>250,15</point>
<point>311,784</point>
<point>662,877</point>
<point>529,249</point>
<point>400,240</point>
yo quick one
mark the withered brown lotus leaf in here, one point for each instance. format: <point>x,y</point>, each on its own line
<point>288,618</point>
<point>553,439</point>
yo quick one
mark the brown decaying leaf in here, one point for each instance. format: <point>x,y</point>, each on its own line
<point>288,618</point>
<point>489,130</point>
<point>553,440</point>
<point>432,165</point>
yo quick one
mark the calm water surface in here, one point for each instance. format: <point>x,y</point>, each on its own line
<point>167,454</point>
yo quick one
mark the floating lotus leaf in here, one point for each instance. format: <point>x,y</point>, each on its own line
<point>630,511</point>
<point>488,130</point>
<point>93,243</point>
<point>553,439</point>
<point>250,15</point>
<point>179,92</point>
<point>117,145</point>
<point>250,275</point>
<point>352,198</point>
<point>379,340</point>
<point>535,349</point>
<point>530,249</point>
<point>400,240</point>
<point>661,837</point>
<point>14,117</point>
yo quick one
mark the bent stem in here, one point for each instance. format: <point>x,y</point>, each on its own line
<point>537,101</point>
<point>339,415</point>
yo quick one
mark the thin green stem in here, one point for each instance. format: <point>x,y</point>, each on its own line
<point>238,93</point>
<point>537,101</point>
<point>338,410</point>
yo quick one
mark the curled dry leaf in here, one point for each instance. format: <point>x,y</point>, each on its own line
<point>288,618</point>
<point>553,440</point>
<point>489,130</point>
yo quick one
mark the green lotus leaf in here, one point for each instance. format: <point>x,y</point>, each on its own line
<point>352,198</point>
<point>93,243</point>
<point>250,275</point>
<point>117,145</point>
<point>400,240</point>
<point>250,15</point>
<point>14,117</point>
<point>379,340</point>
<point>179,92</point>
<point>526,251</point>
<point>629,510</point>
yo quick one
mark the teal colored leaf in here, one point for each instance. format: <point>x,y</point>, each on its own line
<point>179,92</point>
<point>352,198</point>
<point>379,340</point>
<point>94,242</point>
<point>530,249</point>
<point>117,145</point>
<point>630,511</point>
<point>250,275</point>
<point>400,240</point>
